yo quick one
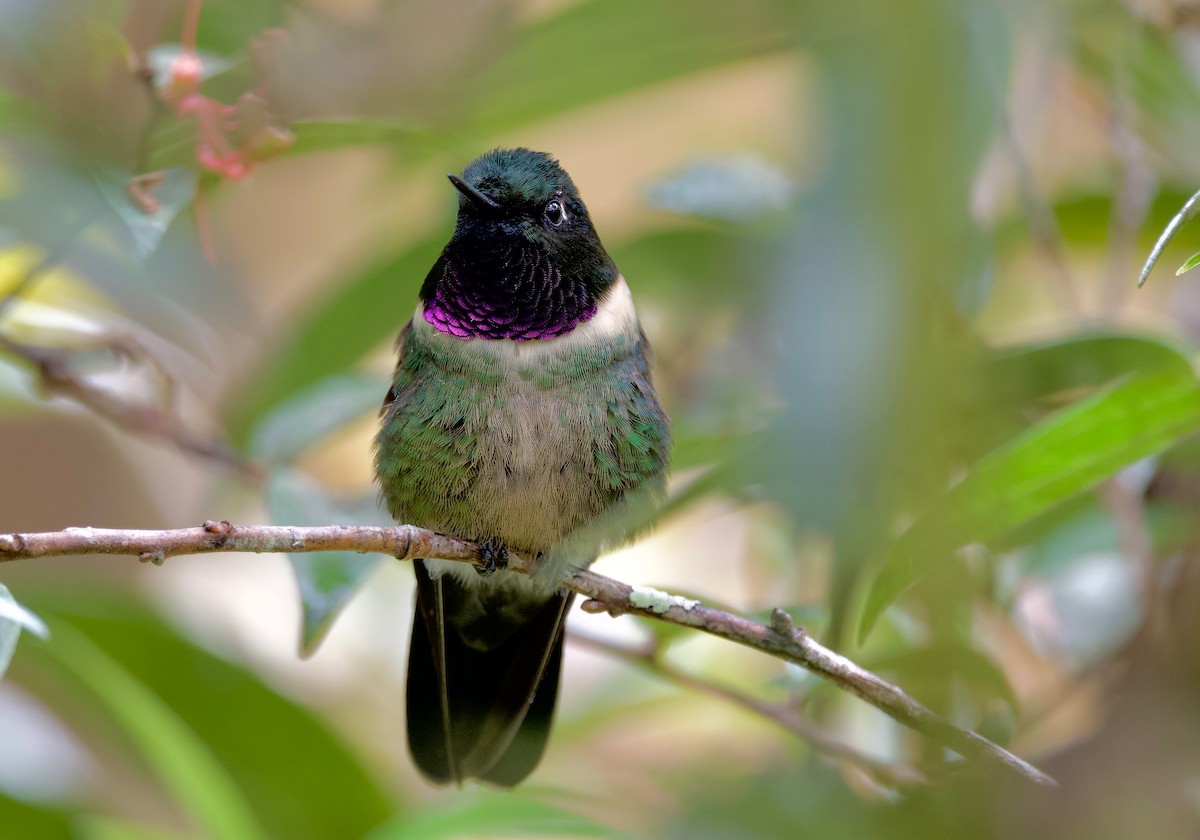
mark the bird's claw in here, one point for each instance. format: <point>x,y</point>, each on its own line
<point>493,557</point>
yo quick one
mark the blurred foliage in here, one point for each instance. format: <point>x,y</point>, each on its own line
<point>13,619</point>
<point>887,256</point>
<point>215,741</point>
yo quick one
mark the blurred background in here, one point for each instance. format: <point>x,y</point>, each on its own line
<point>887,254</point>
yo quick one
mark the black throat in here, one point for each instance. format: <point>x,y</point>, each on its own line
<point>512,288</point>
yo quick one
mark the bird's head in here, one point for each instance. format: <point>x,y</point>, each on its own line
<point>522,195</point>
<point>524,261</point>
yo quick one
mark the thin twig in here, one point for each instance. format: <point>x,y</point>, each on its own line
<point>1135,193</point>
<point>1042,224</point>
<point>803,650</point>
<point>894,776</point>
<point>191,23</point>
<point>57,376</point>
<point>406,542</point>
<point>154,112</point>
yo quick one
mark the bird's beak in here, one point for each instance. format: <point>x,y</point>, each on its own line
<point>470,192</point>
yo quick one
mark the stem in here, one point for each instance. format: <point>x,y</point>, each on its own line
<point>895,776</point>
<point>191,23</point>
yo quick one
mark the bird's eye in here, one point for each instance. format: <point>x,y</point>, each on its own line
<point>556,214</point>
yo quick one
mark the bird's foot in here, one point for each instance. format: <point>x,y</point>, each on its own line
<point>493,557</point>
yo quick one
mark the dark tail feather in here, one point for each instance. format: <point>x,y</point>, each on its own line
<point>475,713</point>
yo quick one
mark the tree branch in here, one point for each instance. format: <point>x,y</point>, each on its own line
<point>780,639</point>
<point>894,776</point>
<point>57,375</point>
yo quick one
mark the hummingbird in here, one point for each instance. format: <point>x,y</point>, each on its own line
<point>522,415</point>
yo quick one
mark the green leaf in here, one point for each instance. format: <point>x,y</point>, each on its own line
<point>327,580</point>
<point>489,814</point>
<point>28,819</point>
<point>1189,209</point>
<point>255,732</point>
<point>1057,458</point>
<point>13,619</point>
<point>1036,372</point>
<point>181,760</point>
<point>315,413</point>
<point>1192,262</point>
<point>172,143</point>
<point>1000,392</point>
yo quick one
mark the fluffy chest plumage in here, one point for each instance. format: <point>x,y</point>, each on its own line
<point>533,460</point>
<point>530,443</point>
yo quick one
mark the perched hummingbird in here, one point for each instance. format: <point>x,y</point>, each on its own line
<point>522,416</point>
